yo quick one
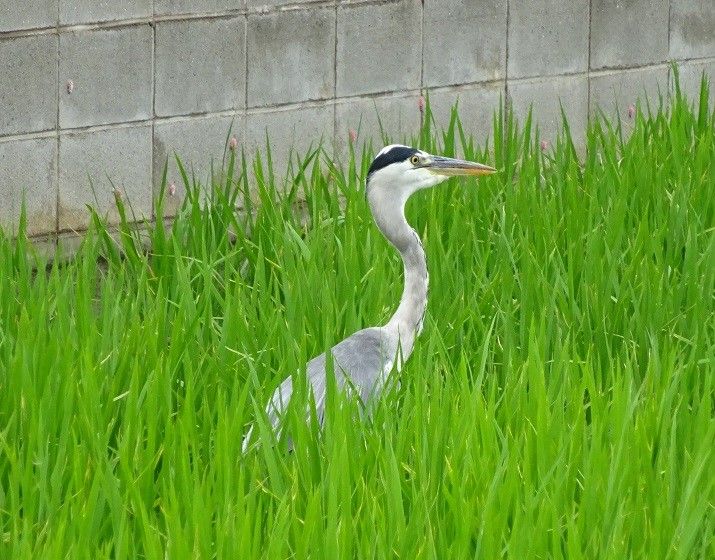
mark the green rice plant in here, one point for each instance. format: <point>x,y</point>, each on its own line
<point>559,404</point>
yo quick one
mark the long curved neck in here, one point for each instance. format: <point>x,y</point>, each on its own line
<point>406,322</point>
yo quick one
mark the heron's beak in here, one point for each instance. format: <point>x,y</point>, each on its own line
<point>450,167</point>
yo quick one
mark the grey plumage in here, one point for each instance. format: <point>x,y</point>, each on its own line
<point>363,361</point>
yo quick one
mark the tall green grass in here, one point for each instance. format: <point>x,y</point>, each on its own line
<point>560,403</point>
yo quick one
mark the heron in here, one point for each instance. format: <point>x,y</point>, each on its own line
<point>362,362</point>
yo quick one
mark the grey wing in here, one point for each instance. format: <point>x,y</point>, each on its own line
<point>361,364</point>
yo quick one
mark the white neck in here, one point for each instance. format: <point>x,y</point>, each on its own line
<point>406,322</point>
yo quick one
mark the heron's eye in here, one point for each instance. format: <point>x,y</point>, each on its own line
<point>415,160</point>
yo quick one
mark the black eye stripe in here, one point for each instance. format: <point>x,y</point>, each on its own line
<point>396,154</point>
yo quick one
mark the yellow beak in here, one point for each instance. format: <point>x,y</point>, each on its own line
<point>450,167</point>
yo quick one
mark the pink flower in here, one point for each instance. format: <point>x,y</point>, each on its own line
<point>544,144</point>
<point>352,135</point>
<point>421,103</point>
<point>631,111</point>
<point>232,143</point>
<point>172,189</point>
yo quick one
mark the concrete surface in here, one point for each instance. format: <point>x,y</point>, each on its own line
<point>200,144</point>
<point>476,105</point>
<point>464,41</point>
<point>291,132</point>
<point>108,91</point>
<point>614,93</point>
<point>196,7</point>
<point>548,96</point>
<point>378,47</point>
<point>28,92</point>
<point>548,37</point>
<point>200,66</point>
<point>86,11</point>
<point>291,57</point>
<point>692,28</point>
<point>399,119</point>
<point>628,32</point>
<point>95,164</point>
<point>28,14</point>
<point>28,173</point>
<point>105,76</point>
<point>261,4</point>
<point>690,75</point>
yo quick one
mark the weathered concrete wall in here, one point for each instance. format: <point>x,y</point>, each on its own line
<point>94,94</point>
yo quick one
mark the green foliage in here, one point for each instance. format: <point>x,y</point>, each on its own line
<point>558,405</point>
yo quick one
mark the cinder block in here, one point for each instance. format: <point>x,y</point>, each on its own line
<point>692,29</point>
<point>379,47</point>
<point>28,87</point>
<point>88,11</point>
<point>399,120</point>
<point>174,7</point>
<point>110,73</point>
<point>44,246</point>
<point>548,37</point>
<point>28,169</point>
<point>614,92</point>
<point>200,144</point>
<point>28,14</point>
<point>291,132</point>
<point>464,41</point>
<point>94,164</point>
<point>258,4</point>
<point>476,108</point>
<point>291,56</point>
<point>690,75</point>
<point>547,96</point>
<point>200,66</point>
<point>628,33</point>
<point>68,244</point>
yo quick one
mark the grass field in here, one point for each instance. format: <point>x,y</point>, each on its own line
<point>559,404</point>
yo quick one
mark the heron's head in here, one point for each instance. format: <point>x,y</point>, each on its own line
<point>400,171</point>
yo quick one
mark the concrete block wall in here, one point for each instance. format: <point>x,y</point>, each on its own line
<point>95,95</point>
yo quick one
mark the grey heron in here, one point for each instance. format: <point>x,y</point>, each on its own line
<point>363,361</point>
